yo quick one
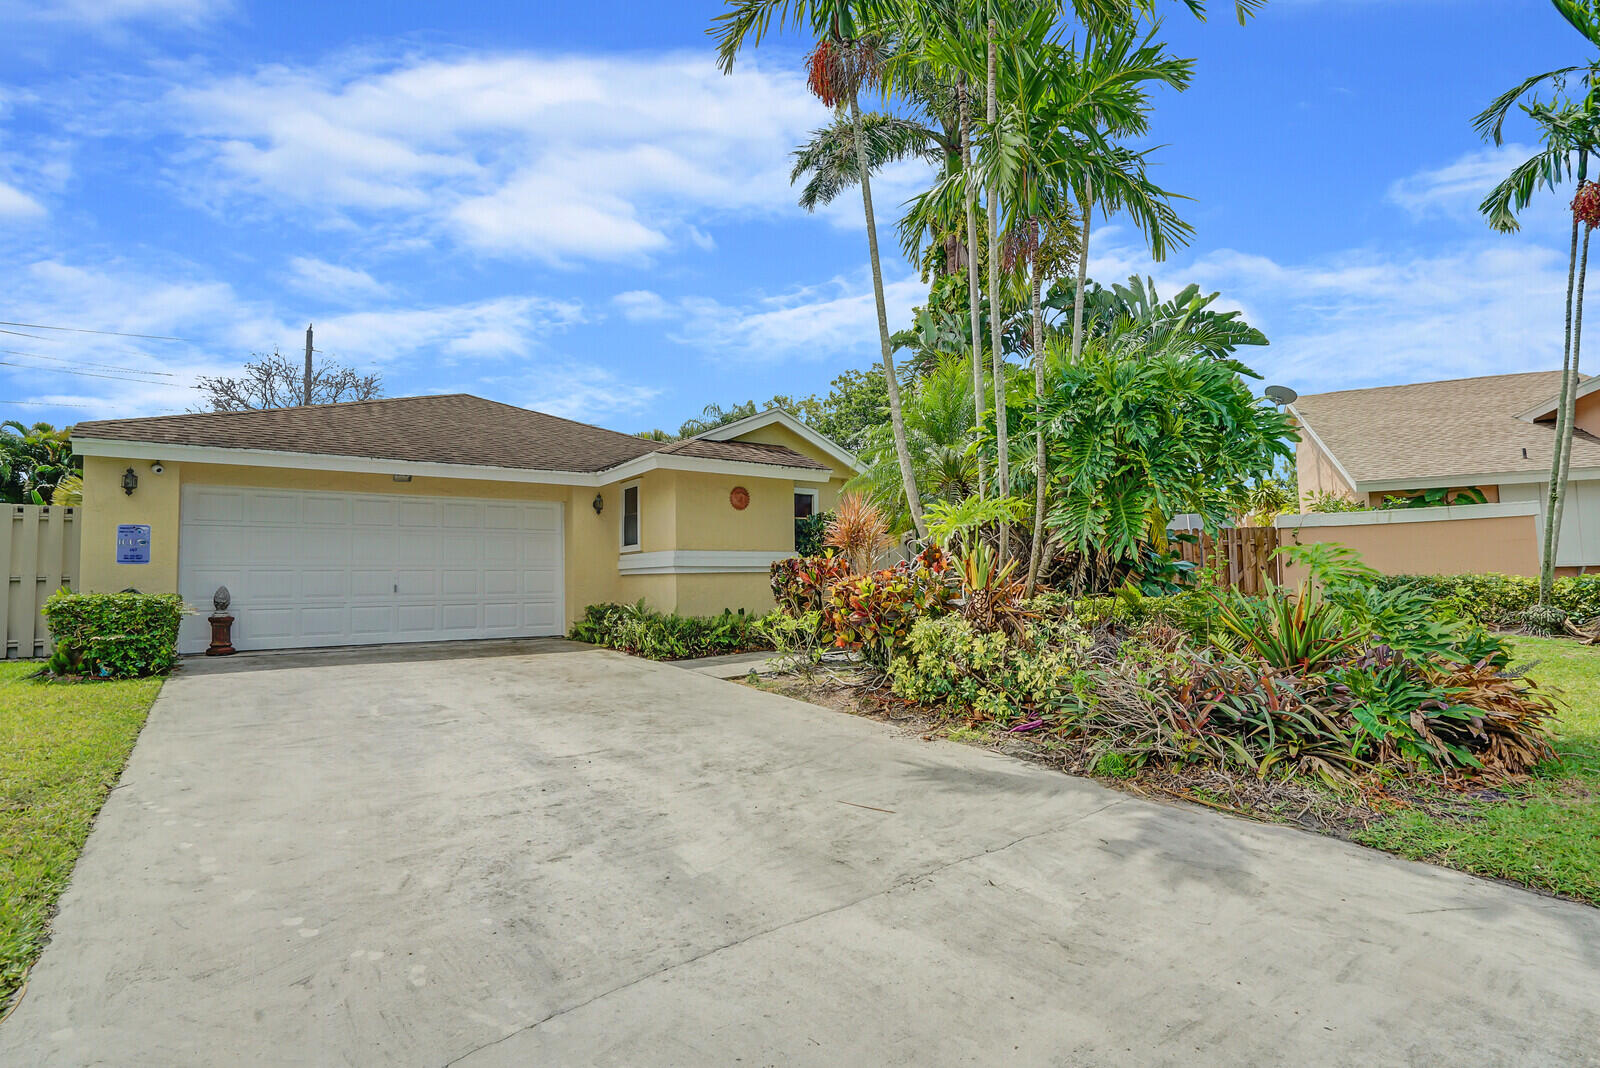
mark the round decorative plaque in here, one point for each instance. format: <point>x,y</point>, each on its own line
<point>739,498</point>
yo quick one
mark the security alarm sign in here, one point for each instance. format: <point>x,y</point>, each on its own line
<point>133,543</point>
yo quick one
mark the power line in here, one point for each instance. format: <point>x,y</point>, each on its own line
<point>66,371</point>
<point>85,330</point>
<point>102,366</point>
<point>46,404</point>
<point>39,337</point>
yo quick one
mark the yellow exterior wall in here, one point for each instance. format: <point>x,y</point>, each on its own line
<point>105,505</point>
<point>1586,414</point>
<point>778,434</point>
<point>678,510</point>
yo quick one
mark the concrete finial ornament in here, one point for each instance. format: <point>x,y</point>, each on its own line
<point>221,599</point>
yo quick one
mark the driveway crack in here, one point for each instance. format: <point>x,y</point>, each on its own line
<point>897,885</point>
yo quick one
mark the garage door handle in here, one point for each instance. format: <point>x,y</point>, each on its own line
<point>397,587</point>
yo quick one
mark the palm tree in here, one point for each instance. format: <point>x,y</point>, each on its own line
<point>845,60</point>
<point>938,412</point>
<point>1568,130</point>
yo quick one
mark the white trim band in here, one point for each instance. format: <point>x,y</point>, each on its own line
<point>315,461</point>
<point>1376,517</point>
<point>698,562</point>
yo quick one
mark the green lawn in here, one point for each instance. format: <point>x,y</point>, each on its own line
<point>62,747</point>
<point>1547,834</point>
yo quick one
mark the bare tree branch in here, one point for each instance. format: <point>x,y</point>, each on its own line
<point>278,382</point>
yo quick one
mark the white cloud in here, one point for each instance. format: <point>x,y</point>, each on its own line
<point>331,281</point>
<point>1455,190</point>
<point>103,12</point>
<point>639,305</point>
<point>1367,318</point>
<point>811,322</point>
<point>220,331</point>
<point>576,392</point>
<point>16,204</point>
<point>553,158</point>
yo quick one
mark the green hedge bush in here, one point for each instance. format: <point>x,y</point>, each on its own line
<point>114,635</point>
<point>1501,599</point>
<point>642,631</point>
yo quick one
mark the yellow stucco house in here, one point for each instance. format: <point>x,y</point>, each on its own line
<point>441,517</point>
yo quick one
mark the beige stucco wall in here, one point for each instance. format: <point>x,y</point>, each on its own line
<point>1316,472</point>
<point>1506,544</point>
<point>678,510</point>
<point>1586,415</point>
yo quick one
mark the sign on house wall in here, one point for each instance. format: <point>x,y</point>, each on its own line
<point>133,543</point>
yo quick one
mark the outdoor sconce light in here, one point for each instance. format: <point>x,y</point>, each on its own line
<point>599,502</point>
<point>130,482</point>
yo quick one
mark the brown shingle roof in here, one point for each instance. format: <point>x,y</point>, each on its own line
<point>1462,427</point>
<point>454,428</point>
<point>749,451</point>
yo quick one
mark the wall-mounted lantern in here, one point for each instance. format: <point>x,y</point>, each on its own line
<point>130,482</point>
<point>599,503</point>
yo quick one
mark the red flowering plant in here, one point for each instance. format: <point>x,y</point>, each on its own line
<point>800,583</point>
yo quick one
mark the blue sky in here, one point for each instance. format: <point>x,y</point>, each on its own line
<point>566,206</point>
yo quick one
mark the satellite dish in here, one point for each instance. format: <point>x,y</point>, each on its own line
<point>1281,395</point>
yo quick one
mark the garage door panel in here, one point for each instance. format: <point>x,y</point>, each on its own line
<point>372,582</point>
<point>273,509</point>
<point>321,584</point>
<point>214,506</point>
<point>374,512</point>
<point>459,617</point>
<point>414,618</point>
<point>371,621</point>
<point>309,568</point>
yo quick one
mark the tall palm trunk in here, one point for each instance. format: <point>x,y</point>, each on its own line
<point>996,325</point>
<point>1554,505</point>
<point>1036,306</point>
<point>1572,390</point>
<point>970,196</point>
<point>908,476</point>
<point>1083,274</point>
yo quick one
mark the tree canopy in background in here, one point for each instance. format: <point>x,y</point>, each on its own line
<point>278,382</point>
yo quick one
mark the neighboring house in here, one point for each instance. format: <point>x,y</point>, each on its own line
<point>426,518</point>
<point>1494,434</point>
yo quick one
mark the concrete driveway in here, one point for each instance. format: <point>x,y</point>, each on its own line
<point>568,857</point>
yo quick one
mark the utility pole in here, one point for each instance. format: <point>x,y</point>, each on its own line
<point>307,400</point>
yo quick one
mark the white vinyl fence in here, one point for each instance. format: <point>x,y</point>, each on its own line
<point>39,544</point>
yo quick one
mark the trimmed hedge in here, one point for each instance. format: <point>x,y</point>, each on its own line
<point>642,631</point>
<point>114,635</point>
<point>1501,599</point>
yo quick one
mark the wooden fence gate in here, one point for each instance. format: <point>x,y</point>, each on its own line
<point>1241,555</point>
<point>39,545</point>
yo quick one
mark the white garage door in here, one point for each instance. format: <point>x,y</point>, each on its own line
<point>310,569</point>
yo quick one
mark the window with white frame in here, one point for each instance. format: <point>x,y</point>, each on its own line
<point>630,516</point>
<point>805,503</point>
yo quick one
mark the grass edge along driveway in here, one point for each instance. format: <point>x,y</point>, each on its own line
<point>1542,833</point>
<point>62,748</point>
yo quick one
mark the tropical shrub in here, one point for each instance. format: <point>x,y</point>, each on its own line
<point>1140,430</point>
<point>1500,599</point>
<point>798,639</point>
<point>809,532</point>
<point>948,662</point>
<point>800,583</point>
<point>114,635</point>
<point>642,631</point>
<point>874,613</point>
<point>1326,501</point>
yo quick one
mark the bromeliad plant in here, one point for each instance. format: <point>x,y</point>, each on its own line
<point>1301,632</point>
